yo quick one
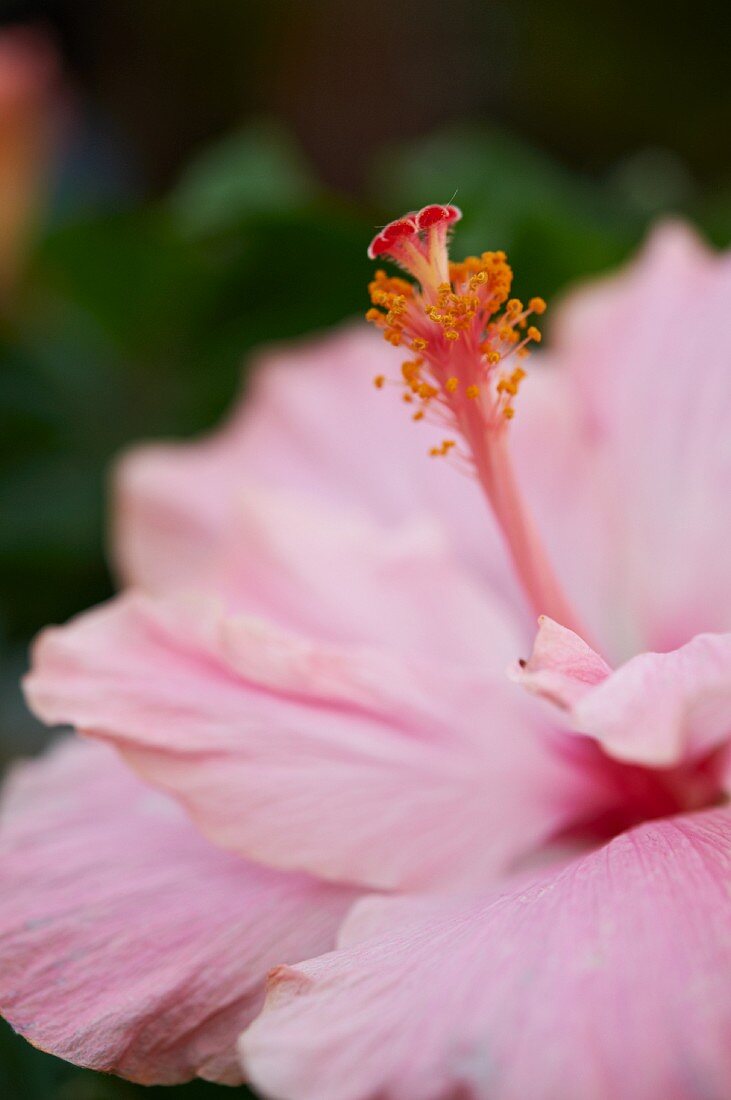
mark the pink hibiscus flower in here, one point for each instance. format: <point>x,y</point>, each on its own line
<point>300,734</point>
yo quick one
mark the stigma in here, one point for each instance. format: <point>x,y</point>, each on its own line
<point>465,341</point>
<point>465,336</point>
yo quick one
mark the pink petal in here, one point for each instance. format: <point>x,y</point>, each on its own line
<point>127,942</point>
<point>627,461</point>
<point>313,425</point>
<point>353,764</point>
<point>657,709</point>
<point>336,575</point>
<point>562,667</point>
<point>608,980</point>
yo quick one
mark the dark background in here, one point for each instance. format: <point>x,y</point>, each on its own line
<point>216,172</point>
<point>590,82</point>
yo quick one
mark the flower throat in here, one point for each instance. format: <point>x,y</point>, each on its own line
<point>468,341</point>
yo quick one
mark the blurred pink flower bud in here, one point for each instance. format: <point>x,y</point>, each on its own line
<point>29,86</point>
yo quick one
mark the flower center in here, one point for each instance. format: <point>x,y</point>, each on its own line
<point>645,793</point>
<point>468,341</point>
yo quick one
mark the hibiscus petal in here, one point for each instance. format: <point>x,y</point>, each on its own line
<point>352,764</point>
<point>657,709</point>
<point>313,425</point>
<point>630,466</point>
<point>562,667</point>
<point>128,943</point>
<point>609,979</point>
<point>336,575</point>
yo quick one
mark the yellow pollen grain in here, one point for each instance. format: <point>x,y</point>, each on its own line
<point>418,344</point>
<point>508,412</point>
<point>419,415</point>
<point>514,306</point>
<point>537,305</point>
<point>451,334</point>
<point>493,357</point>
<point>443,449</point>
<point>534,334</point>
<point>472,392</point>
<point>379,381</point>
<point>451,384</point>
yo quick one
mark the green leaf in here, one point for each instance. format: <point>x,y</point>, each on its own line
<point>131,272</point>
<point>258,171</point>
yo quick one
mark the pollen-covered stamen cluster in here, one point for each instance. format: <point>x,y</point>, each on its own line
<point>467,341</point>
<point>466,333</point>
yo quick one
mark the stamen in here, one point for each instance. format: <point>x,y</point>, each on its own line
<point>463,327</point>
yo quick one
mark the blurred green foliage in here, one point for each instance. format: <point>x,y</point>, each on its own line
<point>25,1074</point>
<point>133,322</point>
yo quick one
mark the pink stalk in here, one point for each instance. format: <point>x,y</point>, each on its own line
<point>496,475</point>
<point>464,329</point>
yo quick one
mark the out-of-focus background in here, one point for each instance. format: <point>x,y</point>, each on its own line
<point>181,182</point>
